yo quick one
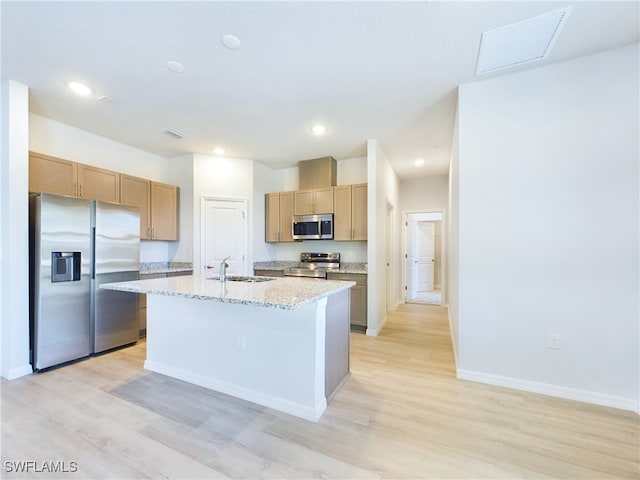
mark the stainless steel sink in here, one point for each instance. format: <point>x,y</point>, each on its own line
<point>248,279</point>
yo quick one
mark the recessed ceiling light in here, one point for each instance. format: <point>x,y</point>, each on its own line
<point>174,66</point>
<point>218,151</point>
<point>79,88</point>
<point>319,129</point>
<point>419,162</point>
<point>231,41</point>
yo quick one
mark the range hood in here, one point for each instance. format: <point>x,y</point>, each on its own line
<point>317,173</point>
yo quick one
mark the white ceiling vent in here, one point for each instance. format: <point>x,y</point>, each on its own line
<point>174,133</point>
<point>521,42</point>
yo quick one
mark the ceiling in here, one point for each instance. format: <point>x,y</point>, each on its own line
<point>383,70</point>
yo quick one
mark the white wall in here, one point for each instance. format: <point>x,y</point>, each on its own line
<point>383,189</point>
<point>548,229</point>
<point>64,141</point>
<point>180,171</point>
<point>453,240</point>
<point>424,194</point>
<point>224,178</point>
<point>14,242</point>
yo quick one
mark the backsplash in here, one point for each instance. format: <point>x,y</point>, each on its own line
<point>153,266</point>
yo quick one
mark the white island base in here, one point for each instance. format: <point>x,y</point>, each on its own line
<point>292,360</point>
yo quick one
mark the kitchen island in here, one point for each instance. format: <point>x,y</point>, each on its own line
<point>282,343</point>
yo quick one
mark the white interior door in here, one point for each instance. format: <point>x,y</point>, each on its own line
<point>425,255</point>
<point>224,235</point>
<point>411,261</point>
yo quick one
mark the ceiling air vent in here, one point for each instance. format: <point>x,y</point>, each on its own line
<point>519,43</point>
<point>174,133</point>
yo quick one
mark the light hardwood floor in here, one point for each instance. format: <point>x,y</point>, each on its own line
<point>402,414</point>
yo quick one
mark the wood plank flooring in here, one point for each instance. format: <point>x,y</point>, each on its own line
<point>402,414</point>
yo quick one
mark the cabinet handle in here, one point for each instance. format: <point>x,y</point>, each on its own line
<point>153,232</point>
<point>80,194</point>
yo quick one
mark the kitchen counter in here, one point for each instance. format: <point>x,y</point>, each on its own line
<point>284,293</point>
<point>345,267</point>
<point>282,343</point>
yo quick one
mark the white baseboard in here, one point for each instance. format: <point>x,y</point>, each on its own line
<point>277,403</point>
<point>17,372</point>
<point>552,390</point>
<point>374,332</point>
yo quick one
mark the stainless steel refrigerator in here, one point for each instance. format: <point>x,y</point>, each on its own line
<point>75,245</point>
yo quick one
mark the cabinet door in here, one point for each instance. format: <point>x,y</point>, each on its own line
<point>303,203</point>
<point>358,307</point>
<point>136,191</point>
<point>323,200</point>
<point>342,217</point>
<point>286,214</point>
<point>272,217</point>
<point>164,211</point>
<point>52,175</point>
<point>98,184</point>
<point>359,211</point>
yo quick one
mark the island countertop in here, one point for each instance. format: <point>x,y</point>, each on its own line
<point>284,293</point>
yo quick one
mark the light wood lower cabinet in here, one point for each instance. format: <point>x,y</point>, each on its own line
<point>278,214</point>
<point>357,297</point>
<point>268,273</point>
<point>158,204</point>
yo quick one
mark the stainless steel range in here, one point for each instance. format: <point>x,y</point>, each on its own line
<point>315,265</point>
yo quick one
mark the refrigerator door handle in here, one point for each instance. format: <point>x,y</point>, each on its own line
<point>93,253</point>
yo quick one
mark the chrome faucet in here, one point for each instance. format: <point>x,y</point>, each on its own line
<point>223,269</point>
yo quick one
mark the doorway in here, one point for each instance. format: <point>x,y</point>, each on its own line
<point>224,234</point>
<point>424,265</point>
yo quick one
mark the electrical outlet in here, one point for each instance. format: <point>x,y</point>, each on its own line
<point>553,341</point>
<point>241,342</point>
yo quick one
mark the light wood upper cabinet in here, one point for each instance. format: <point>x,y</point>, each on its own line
<point>137,192</point>
<point>359,211</point>
<point>98,184</point>
<point>56,175</point>
<point>308,202</point>
<point>52,175</point>
<point>158,204</point>
<point>342,227</point>
<point>350,218</point>
<point>278,213</point>
<point>164,211</point>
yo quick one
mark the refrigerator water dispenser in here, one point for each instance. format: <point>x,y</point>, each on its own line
<point>65,266</point>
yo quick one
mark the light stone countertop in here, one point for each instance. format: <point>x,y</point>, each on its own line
<point>285,293</point>
<point>345,267</point>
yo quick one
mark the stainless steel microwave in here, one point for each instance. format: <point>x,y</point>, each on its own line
<point>313,227</point>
